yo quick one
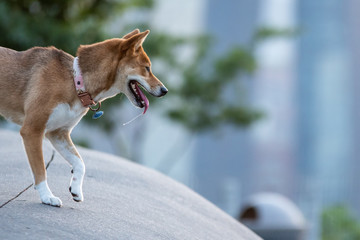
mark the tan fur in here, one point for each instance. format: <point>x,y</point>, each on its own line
<point>34,82</point>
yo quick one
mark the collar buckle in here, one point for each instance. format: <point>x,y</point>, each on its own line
<point>85,99</point>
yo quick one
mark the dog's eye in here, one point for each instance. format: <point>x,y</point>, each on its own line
<point>147,69</point>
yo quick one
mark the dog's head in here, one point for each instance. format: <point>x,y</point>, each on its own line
<point>134,71</point>
<point>120,65</point>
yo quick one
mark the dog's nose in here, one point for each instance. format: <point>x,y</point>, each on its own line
<point>163,90</point>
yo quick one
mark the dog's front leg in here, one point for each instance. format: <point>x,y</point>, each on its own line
<point>32,138</point>
<point>61,141</point>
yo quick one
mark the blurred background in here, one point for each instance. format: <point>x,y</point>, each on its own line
<point>261,115</point>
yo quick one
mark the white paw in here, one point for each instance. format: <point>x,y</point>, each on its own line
<point>76,192</point>
<point>46,195</point>
<point>52,201</point>
<point>76,187</point>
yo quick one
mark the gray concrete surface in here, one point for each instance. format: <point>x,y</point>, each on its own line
<point>123,200</point>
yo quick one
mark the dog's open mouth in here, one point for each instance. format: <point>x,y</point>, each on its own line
<point>140,97</point>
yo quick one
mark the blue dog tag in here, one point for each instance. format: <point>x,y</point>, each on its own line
<point>97,114</point>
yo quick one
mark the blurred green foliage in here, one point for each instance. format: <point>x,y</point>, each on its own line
<point>339,223</point>
<point>205,89</point>
<point>62,23</point>
<point>207,97</point>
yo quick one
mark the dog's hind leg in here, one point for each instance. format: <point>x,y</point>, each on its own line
<point>32,137</point>
<point>61,141</point>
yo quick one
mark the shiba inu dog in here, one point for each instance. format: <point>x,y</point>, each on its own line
<point>47,91</point>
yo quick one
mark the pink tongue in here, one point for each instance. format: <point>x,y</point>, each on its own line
<point>143,97</point>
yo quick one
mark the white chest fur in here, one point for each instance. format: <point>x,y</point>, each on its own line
<point>64,116</point>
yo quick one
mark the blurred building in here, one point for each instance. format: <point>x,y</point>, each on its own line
<point>353,41</point>
<point>273,139</point>
<point>326,106</point>
<point>325,127</point>
<point>237,163</point>
<point>221,161</point>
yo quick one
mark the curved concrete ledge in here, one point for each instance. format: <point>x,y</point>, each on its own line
<point>123,200</point>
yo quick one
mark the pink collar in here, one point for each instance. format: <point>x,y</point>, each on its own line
<point>78,79</point>
<point>83,95</point>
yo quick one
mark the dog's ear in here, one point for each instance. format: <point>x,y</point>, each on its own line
<point>136,41</point>
<point>129,35</point>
